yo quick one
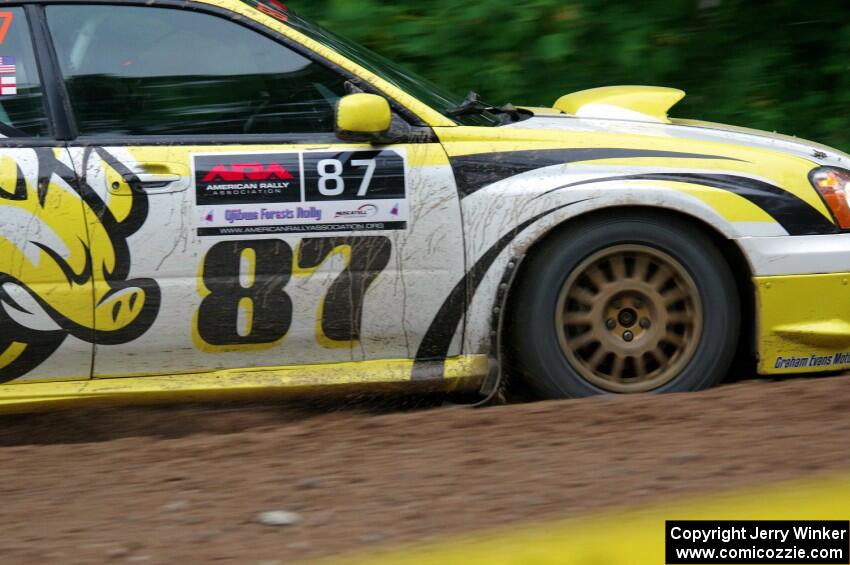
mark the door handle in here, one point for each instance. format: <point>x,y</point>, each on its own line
<point>153,178</point>
<point>155,182</point>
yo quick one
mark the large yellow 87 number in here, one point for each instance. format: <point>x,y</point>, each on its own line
<point>244,303</point>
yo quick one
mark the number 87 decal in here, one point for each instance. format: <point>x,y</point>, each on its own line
<point>353,175</point>
<point>331,170</point>
<point>244,303</point>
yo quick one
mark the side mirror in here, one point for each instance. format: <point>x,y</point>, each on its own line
<point>363,117</point>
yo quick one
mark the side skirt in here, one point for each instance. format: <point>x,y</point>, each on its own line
<point>262,383</point>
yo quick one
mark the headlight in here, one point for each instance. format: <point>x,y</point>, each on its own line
<point>834,185</point>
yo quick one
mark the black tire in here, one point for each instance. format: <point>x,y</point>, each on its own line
<point>539,349</point>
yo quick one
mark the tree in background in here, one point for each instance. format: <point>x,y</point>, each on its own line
<point>780,65</point>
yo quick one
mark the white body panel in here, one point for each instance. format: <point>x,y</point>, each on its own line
<point>423,267</point>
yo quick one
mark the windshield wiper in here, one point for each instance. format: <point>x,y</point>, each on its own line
<point>472,104</point>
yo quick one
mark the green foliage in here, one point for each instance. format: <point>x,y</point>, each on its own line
<point>780,65</point>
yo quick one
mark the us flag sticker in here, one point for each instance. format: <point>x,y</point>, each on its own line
<point>7,65</point>
<point>8,86</point>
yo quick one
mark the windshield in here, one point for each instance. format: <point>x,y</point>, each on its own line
<point>422,89</point>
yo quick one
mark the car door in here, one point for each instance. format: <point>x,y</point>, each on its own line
<point>256,237</point>
<point>46,263</point>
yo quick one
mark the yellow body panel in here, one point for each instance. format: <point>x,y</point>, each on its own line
<point>803,323</point>
<point>460,373</point>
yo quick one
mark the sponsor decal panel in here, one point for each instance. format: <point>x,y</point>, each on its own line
<point>292,192</point>
<point>247,179</point>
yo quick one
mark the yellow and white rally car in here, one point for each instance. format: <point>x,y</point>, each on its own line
<point>219,196</point>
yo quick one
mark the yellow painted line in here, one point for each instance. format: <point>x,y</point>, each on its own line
<point>459,372</point>
<point>634,537</point>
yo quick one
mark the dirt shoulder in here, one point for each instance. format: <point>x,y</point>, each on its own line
<point>186,484</point>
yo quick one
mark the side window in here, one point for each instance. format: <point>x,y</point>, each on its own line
<point>22,112</point>
<point>158,71</point>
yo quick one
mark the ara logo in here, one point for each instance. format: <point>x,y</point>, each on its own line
<point>236,172</point>
<point>210,216</point>
<point>394,211</point>
<point>247,179</point>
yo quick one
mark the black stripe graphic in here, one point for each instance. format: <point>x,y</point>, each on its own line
<point>438,339</point>
<point>474,172</point>
<point>797,216</point>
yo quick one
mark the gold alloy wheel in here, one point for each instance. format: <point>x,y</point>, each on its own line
<point>629,318</point>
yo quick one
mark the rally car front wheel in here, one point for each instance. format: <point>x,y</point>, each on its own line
<point>624,304</point>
